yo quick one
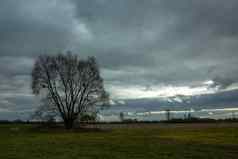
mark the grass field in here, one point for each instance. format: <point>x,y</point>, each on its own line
<point>139,141</point>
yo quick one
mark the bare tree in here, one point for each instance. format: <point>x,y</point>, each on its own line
<point>168,114</point>
<point>121,115</point>
<point>71,85</point>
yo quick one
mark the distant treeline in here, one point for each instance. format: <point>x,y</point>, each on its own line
<point>127,121</point>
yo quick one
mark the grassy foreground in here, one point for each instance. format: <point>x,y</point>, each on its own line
<point>173,141</point>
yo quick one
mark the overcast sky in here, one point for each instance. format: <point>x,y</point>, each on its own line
<point>145,48</point>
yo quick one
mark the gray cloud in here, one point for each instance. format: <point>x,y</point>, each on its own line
<point>150,42</point>
<point>187,39</point>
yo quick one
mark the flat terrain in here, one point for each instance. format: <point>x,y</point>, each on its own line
<point>121,141</point>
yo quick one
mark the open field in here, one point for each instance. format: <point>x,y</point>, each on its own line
<point>121,141</point>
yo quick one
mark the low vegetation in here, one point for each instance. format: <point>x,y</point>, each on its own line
<point>125,141</point>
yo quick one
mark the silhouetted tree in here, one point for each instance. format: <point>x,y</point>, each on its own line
<point>71,85</point>
<point>189,115</point>
<point>121,115</point>
<point>168,115</point>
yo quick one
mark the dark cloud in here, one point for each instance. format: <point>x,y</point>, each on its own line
<point>183,38</point>
<point>33,27</point>
<point>150,42</point>
<point>222,82</point>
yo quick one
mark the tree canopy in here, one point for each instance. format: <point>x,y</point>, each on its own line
<point>71,85</point>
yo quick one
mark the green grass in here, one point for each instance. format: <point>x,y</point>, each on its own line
<point>22,142</point>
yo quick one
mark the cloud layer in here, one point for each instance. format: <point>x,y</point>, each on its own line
<point>146,45</point>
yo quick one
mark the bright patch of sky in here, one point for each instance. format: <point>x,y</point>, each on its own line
<point>130,92</point>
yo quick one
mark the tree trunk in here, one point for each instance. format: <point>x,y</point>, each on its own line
<point>69,123</point>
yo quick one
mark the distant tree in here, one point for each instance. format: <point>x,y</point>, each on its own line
<point>87,118</point>
<point>168,114</point>
<point>121,115</point>
<point>189,115</point>
<point>70,85</point>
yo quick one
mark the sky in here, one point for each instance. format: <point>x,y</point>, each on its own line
<point>145,48</point>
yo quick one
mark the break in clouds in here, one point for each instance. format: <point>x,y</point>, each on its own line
<point>146,49</point>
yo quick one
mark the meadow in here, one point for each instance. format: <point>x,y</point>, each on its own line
<point>121,141</point>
